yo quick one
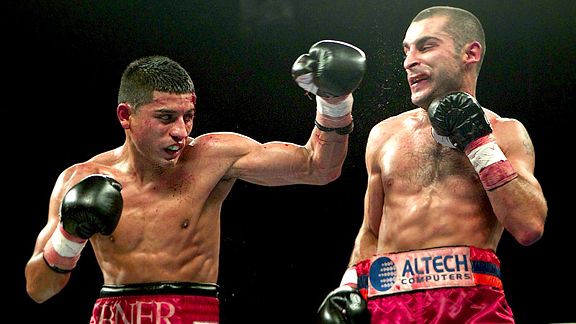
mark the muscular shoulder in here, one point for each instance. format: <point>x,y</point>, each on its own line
<point>102,163</point>
<point>392,130</point>
<point>392,125</point>
<point>220,151</point>
<point>506,129</point>
<point>222,144</point>
<point>512,137</point>
<point>72,175</point>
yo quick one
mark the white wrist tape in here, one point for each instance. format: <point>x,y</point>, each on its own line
<point>63,245</point>
<point>334,110</point>
<point>485,155</point>
<point>490,162</point>
<point>63,250</point>
<point>350,277</point>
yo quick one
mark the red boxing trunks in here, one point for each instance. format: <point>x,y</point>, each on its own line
<point>457,284</point>
<point>158,302</point>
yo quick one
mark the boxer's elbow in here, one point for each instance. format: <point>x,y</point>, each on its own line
<point>42,284</point>
<point>37,295</point>
<point>530,234</point>
<point>327,176</point>
<point>529,237</point>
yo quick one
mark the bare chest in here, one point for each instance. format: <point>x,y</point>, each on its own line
<point>413,159</point>
<point>157,214</point>
<point>154,214</point>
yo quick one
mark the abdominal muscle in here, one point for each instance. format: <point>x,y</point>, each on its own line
<point>437,216</point>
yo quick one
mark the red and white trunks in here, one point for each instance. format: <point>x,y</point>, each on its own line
<point>157,303</point>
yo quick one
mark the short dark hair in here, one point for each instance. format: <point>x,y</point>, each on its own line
<point>152,73</point>
<point>462,25</point>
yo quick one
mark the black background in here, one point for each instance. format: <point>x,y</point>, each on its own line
<point>283,248</point>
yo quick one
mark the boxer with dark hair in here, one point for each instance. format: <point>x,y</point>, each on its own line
<point>445,180</point>
<point>151,207</point>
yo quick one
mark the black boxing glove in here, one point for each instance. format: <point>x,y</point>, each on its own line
<point>458,121</point>
<point>93,205</point>
<point>344,305</point>
<point>459,118</point>
<point>330,68</point>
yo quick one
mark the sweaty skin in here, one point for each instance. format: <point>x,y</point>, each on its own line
<point>421,194</point>
<point>173,190</point>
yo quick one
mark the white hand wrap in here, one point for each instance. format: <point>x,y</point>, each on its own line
<point>486,155</point>
<point>490,162</point>
<point>62,250</point>
<point>334,110</point>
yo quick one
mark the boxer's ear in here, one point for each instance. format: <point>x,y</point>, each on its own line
<point>123,111</point>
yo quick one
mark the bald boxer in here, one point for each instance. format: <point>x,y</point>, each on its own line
<point>445,180</point>
<point>151,207</point>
